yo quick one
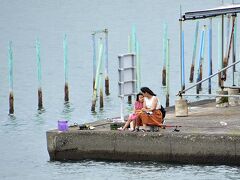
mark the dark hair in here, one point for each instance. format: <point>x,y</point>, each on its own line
<point>149,91</point>
<point>139,94</point>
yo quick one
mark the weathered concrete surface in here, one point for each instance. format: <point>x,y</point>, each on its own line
<point>208,135</point>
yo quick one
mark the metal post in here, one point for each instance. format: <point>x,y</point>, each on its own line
<point>222,49</point>
<point>210,56</point>
<point>180,23</point>
<point>122,108</point>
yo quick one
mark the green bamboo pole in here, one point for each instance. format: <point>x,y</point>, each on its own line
<point>130,51</point>
<point>39,70</point>
<point>164,54</point>
<point>138,65</point>
<point>10,69</point>
<point>66,87</point>
<point>194,53</point>
<point>167,71</point>
<point>96,85</point>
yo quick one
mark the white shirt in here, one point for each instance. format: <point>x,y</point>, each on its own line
<point>149,102</point>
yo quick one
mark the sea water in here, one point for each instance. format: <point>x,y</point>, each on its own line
<point>23,150</point>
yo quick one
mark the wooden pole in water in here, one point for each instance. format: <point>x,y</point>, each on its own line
<point>39,70</point>
<point>66,88</point>
<point>167,72</point>
<point>164,54</point>
<point>10,69</point>
<point>226,58</point>
<point>199,70</point>
<point>226,49</point>
<point>210,56</point>
<point>94,58</point>
<point>194,53</point>
<point>100,58</point>
<point>234,51</point>
<point>107,92</point>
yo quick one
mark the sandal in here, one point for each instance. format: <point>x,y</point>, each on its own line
<point>144,130</point>
<point>136,130</point>
<point>120,129</point>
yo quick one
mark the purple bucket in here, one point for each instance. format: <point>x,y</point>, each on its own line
<point>62,125</point>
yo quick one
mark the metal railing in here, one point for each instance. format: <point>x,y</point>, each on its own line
<point>180,93</point>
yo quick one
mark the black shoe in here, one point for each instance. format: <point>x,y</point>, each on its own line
<point>136,130</point>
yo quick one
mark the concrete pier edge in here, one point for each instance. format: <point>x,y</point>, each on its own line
<point>209,135</point>
<point>127,146</point>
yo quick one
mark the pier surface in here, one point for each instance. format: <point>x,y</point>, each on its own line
<point>208,135</point>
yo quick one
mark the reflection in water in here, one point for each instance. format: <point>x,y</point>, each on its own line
<point>67,110</point>
<point>142,170</point>
<point>39,116</point>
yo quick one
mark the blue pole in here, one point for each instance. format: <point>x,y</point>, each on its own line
<point>39,70</point>
<point>164,54</point>
<point>94,58</point>
<point>10,69</point>
<point>199,71</point>
<point>65,48</point>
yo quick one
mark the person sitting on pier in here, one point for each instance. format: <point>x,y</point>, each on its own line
<point>138,105</point>
<point>151,107</point>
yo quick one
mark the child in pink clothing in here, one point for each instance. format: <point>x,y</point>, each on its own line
<point>137,110</point>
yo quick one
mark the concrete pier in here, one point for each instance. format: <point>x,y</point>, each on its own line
<point>208,135</point>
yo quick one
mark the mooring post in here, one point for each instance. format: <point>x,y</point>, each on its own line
<point>210,56</point>
<point>66,88</point>
<point>201,56</point>
<point>39,70</point>
<point>219,52</point>
<point>222,51</point>
<point>164,54</point>
<point>181,50</point>
<point>167,71</point>
<point>234,50</point>
<point>130,50</point>
<point>94,58</point>
<point>107,92</point>
<point>10,69</point>
<point>138,64</point>
<point>99,65</point>
<point>101,80</point>
<point>183,63</point>
<point>194,53</point>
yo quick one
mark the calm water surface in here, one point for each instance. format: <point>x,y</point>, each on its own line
<point>23,152</point>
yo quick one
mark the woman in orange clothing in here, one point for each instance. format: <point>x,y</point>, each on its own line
<point>151,108</point>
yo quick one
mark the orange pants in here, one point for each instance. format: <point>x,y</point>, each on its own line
<point>150,119</point>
